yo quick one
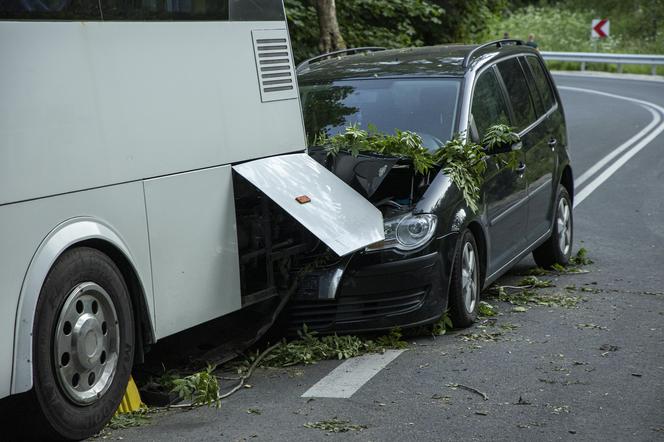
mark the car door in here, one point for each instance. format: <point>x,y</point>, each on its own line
<point>525,122</point>
<point>541,157</point>
<point>504,189</point>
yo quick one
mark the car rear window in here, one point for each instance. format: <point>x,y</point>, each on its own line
<point>517,89</point>
<point>542,82</point>
<point>425,106</point>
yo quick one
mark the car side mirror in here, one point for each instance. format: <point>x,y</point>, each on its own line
<point>504,148</point>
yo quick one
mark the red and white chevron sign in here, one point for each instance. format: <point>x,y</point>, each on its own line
<point>599,28</point>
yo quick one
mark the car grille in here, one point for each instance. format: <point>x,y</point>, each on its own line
<point>319,314</point>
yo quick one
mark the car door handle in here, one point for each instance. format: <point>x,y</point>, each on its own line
<point>552,143</point>
<point>521,169</point>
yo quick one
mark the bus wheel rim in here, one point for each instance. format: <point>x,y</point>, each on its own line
<point>87,340</point>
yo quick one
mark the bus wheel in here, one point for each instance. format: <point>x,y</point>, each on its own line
<point>83,344</point>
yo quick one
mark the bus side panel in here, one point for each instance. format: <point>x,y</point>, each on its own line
<point>193,243</point>
<point>124,101</point>
<point>24,226</point>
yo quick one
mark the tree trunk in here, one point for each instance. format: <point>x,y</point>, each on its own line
<point>330,35</point>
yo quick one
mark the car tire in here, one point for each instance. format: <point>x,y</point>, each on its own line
<point>83,348</point>
<point>465,286</point>
<point>558,248</point>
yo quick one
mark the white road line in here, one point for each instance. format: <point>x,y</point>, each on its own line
<point>633,150</point>
<point>347,378</point>
<point>594,184</point>
<point>656,118</point>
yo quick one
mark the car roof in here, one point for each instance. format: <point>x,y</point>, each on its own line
<point>429,61</point>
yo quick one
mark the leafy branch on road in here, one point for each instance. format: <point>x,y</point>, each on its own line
<point>311,348</point>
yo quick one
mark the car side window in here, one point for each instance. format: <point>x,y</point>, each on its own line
<point>542,82</point>
<point>517,89</point>
<point>488,106</point>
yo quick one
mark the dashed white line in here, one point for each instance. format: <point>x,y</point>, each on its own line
<point>350,376</point>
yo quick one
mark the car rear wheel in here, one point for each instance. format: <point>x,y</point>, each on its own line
<point>558,248</point>
<point>465,283</point>
<point>83,341</point>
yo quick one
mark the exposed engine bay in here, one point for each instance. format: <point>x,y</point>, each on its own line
<point>389,183</point>
<point>274,249</point>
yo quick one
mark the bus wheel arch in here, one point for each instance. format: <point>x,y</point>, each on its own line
<point>73,233</point>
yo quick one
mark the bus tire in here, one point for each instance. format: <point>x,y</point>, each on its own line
<point>83,345</point>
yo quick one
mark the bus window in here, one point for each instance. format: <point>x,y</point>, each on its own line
<point>49,10</point>
<point>139,10</point>
<point>250,10</point>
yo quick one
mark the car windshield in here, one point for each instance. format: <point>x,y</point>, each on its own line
<point>425,106</point>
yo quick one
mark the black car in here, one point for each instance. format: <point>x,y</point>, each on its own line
<point>438,253</point>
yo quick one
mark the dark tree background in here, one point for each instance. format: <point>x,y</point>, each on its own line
<point>318,26</point>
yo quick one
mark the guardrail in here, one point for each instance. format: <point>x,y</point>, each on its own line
<point>617,59</point>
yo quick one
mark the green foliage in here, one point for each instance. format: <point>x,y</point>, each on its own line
<point>460,159</point>
<point>443,325</point>
<point>523,297</point>
<point>636,27</point>
<point>535,282</point>
<point>486,309</point>
<point>127,420</point>
<point>310,348</point>
<point>335,425</point>
<point>581,258</point>
<point>201,388</point>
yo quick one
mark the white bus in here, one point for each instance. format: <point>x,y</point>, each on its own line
<point>138,142</point>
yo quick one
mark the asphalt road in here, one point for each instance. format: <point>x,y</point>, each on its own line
<point>594,372</point>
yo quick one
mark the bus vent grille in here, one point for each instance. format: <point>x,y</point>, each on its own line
<point>274,65</point>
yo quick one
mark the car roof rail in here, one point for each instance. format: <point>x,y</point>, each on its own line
<point>348,51</point>
<point>497,43</point>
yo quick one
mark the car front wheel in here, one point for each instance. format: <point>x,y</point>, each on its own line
<point>465,283</point>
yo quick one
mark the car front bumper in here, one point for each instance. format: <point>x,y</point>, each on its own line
<point>378,291</point>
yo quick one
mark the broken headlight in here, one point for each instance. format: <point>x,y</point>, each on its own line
<point>407,232</point>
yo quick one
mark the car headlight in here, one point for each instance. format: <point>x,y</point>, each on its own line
<point>407,232</point>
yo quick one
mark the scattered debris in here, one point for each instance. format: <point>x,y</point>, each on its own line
<point>521,401</point>
<point>254,411</point>
<point>310,348</point>
<point>483,336</point>
<point>200,388</point>
<point>486,309</point>
<point>523,295</point>
<point>127,420</point>
<point>581,258</point>
<point>443,325</point>
<point>608,347</point>
<point>557,409</point>
<point>335,425</point>
<point>534,282</point>
<point>590,325</point>
<point>471,389</point>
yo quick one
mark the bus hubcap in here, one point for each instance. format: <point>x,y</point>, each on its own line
<point>86,343</point>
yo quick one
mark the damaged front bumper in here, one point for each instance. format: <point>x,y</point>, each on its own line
<point>374,291</point>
